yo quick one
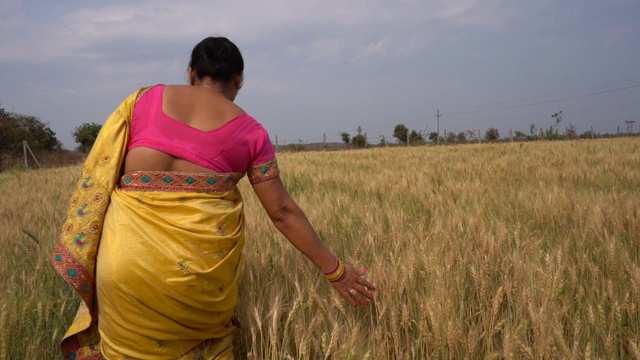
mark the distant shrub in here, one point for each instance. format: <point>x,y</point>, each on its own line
<point>492,134</point>
<point>359,141</point>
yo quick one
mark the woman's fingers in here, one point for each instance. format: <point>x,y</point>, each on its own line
<point>352,297</point>
<point>361,280</point>
<point>354,287</point>
<point>369,286</point>
<point>358,297</point>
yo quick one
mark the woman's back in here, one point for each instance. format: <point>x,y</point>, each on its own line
<point>191,129</point>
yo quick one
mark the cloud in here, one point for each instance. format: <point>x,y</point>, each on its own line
<point>131,67</point>
<point>355,30</point>
<point>162,21</point>
<point>372,49</point>
<point>263,85</point>
<point>492,13</point>
<point>456,9</point>
<point>327,50</point>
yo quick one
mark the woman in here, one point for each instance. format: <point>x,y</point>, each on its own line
<point>155,229</point>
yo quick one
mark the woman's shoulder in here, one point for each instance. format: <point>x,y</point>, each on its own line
<point>143,90</point>
<point>248,122</point>
<point>132,99</point>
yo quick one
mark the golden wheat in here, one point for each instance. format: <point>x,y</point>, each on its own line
<point>508,251</point>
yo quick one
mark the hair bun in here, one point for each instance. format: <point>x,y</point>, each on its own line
<point>217,58</point>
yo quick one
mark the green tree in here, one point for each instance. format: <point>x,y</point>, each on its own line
<point>520,136</point>
<point>416,137</point>
<point>359,141</point>
<point>452,138</point>
<point>383,141</point>
<point>400,132</point>
<point>462,138</point>
<point>587,135</point>
<point>14,128</point>
<point>85,135</point>
<point>345,136</point>
<point>492,134</point>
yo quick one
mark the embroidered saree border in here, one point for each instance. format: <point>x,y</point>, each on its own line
<point>263,171</point>
<point>77,351</point>
<point>73,272</point>
<point>179,181</point>
<point>75,254</point>
<point>196,182</point>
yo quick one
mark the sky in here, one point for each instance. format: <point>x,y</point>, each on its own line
<point>324,67</point>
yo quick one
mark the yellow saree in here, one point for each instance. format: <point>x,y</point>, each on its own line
<point>155,256</point>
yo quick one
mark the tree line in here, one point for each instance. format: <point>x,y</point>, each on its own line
<point>405,136</point>
<point>16,128</point>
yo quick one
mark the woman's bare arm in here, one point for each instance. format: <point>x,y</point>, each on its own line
<point>291,221</point>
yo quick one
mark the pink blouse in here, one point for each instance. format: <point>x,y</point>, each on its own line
<point>241,145</point>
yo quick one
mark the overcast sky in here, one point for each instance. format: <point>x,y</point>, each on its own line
<point>315,67</point>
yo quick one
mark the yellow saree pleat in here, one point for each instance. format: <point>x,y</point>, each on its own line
<point>163,284</point>
<point>167,271</point>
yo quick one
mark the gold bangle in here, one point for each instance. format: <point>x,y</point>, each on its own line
<point>333,275</point>
<point>334,269</point>
<point>337,274</point>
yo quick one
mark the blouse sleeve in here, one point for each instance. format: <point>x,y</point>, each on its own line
<point>263,165</point>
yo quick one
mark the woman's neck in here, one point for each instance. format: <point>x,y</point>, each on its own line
<point>215,86</point>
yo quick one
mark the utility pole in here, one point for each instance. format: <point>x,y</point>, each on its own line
<point>438,137</point>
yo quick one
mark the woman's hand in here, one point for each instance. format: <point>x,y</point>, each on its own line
<point>354,287</point>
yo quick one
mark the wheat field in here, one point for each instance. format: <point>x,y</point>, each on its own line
<point>508,251</point>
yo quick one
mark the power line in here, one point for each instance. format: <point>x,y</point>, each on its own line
<point>550,95</point>
<point>480,111</point>
<point>545,116</point>
<point>551,101</point>
<point>539,103</point>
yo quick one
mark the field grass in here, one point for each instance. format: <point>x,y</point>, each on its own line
<point>507,251</point>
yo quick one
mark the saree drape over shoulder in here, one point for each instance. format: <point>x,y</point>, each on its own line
<point>155,256</point>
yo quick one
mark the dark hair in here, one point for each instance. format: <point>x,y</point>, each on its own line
<point>217,58</point>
